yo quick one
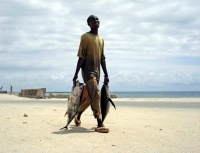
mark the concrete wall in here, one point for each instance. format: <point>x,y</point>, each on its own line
<point>33,93</point>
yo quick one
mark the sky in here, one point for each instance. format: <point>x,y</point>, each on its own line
<point>150,45</point>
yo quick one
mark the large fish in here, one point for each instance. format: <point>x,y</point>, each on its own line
<point>105,101</point>
<point>73,102</point>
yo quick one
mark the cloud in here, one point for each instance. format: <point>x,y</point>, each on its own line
<point>149,45</point>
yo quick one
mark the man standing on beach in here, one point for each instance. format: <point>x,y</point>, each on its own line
<point>91,56</point>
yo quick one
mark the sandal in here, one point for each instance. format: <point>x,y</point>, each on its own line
<point>102,130</point>
<point>76,121</point>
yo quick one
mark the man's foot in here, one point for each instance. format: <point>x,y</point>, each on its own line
<point>102,130</point>
<point>77,121</point>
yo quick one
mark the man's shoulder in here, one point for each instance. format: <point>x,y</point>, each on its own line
<point>87,34</point>
<point>84,36</point>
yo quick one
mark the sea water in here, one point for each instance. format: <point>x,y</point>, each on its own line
<point>150,94</point>
<point>159,94</point>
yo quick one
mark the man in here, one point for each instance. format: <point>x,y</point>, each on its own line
<point>91,56</point>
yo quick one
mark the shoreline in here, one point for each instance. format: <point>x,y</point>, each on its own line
<point>16,97</point>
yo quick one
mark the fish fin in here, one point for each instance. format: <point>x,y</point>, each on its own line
<point>112,102</point>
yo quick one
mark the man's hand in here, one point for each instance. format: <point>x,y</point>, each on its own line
<point>106,80</point>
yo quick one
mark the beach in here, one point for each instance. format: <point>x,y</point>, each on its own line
<point>138,125</point>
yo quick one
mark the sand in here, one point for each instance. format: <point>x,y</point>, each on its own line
<point>155,125</point>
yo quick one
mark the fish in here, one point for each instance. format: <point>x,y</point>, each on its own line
<point>73,102</point>
<point>105,101</point>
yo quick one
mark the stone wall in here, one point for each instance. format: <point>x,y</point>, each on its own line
<point>33,93</point>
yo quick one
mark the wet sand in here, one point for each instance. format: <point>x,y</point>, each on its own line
<point>168,125</point>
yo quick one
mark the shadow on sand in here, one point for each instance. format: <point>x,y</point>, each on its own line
<point>74,129</point>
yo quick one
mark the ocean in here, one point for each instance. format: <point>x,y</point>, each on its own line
<point>149,94</point>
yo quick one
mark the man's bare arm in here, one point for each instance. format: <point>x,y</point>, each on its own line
<point>103,65</point>
<point>79,65</point>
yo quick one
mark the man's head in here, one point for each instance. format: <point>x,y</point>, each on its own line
<point>93,21</point>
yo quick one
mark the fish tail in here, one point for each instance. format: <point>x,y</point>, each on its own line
<point>65,127</point>
<point>66,113</point>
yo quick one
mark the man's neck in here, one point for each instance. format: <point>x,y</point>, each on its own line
<point>94,31</point>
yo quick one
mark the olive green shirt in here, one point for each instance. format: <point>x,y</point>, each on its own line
<point>92,50</point>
